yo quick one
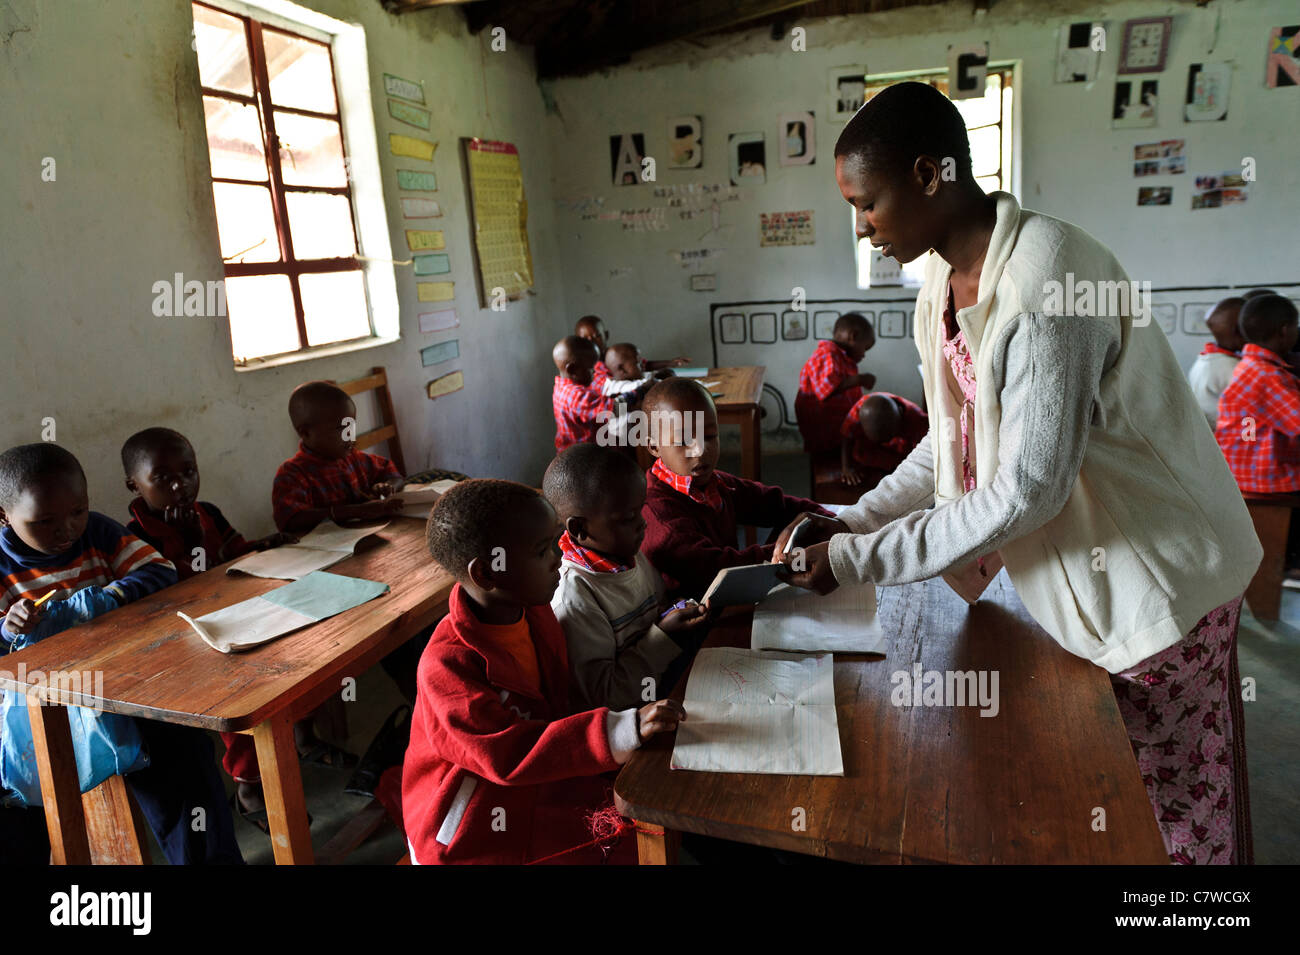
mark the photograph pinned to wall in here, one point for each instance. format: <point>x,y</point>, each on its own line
<point>442,351</point>
<point>1146,45</point>
<point>1135,104</point>
<point>848,91</point>
<point>434,263</point>
<point>1282,66</point>
<point>762,328</point>
<point>968,66</point>
<point>1207,92</point>
<point>685,142</point>
<point>446,384</point>
<point>415,180</point>
<point>626,150</point>
<point>439,320</point>
<point>1212,190</point>
<point>404,89</point>
<point>731,328</point>
<point>416,208</point>
<point>786,228</point>
<point>1165,158</point>
<point>1077,53</point>
<point>705,282</point>
<point>748,158</point>
<point>411,146</point>
<point>408,114</point>
<point>794,326</point>
<point>824,325</point>
<point>1155,195</point>
<point>797,139</point>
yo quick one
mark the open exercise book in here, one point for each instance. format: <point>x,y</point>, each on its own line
<point>323,547</point>
<point>754,712</point>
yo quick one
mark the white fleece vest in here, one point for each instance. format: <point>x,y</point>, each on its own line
<point>1154,503</point>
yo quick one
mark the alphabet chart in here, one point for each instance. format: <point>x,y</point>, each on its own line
<point>499,218</point>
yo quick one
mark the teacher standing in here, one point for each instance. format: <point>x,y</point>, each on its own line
<point>1067,446</point>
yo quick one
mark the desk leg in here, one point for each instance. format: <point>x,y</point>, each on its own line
<point>116,826</point>
<point>656,845</point>
<point>286,809</point>
<point>60,789</point>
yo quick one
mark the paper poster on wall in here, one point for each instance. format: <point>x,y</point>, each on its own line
<point>786,228</point>
<point>704,282</point>
<point>446,384</point>
<point>498,218</point>
<point>413,180</point>
<point>731,328</point>
<point>439,320</point>
<point>797,139</point>
<point>442,351</point>
<point>1135,104</point>
<point>406,89</point>
<point>694,258</point>
<point>794,326</point>
<point>626,150</point>
<point>1155,195</point>
<point>435,291</point>
<point>423,240</point>
<point>848,91</point>
<point>1282,67</point>
<point>685,142</point>
<point>411,146</point>
<point>1077,53</point>
<point>748,156</point>
<point>824,325</point>
<point>1165,158</point>
<point>434,263</point>
<point>1207,92</point>
<point>967,70</point>
<point>413,208</point>
<point>1212,190</point>
<point>408,114</point>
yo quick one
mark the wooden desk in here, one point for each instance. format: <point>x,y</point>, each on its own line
<point>155,666</point>
<point>931,784</point>
<point>742,390</point>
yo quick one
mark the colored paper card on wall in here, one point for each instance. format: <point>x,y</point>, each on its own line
<point>435,263</point>
<point>406,89</point>
<point>446,384</point>
<point>437,354</point>
<point>413,207</point>
<point>439,321</point>
<point>415,181</point>
<point>422,240</point>
<point>408,114</point>
<point>411,146</point>
<point>436,291</point>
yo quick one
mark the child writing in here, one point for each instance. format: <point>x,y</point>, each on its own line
<point>52,541</point>
<point>829,384</point>
<point>493,735</point>
<point>879,432</point>
<point>692,509</point>
<point>610,601</point>
<point>1213,367</point>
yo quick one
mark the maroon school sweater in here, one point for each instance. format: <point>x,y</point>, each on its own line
<point>689,542</point>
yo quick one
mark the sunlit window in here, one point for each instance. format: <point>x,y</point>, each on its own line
<point>281,187</point>
<point>988,125</point>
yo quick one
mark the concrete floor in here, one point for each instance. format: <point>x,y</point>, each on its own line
<point>1269,652</point>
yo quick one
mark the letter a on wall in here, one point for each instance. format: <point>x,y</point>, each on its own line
<point>626,151</point>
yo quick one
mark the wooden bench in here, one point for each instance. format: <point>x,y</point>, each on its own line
<point>1271,514</point>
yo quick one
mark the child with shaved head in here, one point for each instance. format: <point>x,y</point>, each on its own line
<point>579,407</point>
<point>1214,366</point>
<point>879,432</point>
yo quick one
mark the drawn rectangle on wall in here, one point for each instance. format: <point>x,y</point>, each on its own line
<point>437,354</point>
<point>794,326</point>
<point>892,323</point>
<point>824,325</point>
<point>731,328</point>
<point>1166,316</point>
<point>762,328</point>
<point>1194,318</point>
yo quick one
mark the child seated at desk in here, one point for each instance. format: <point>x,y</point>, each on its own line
<point>500,768</point>
<point>579,407</point>
<point>1214,366</point>
<point>610,601</point>
<point>52,541</point>
<point>592,328</point>
<point>692,509</point>
<point>879,432</point>
<point>829,384</point>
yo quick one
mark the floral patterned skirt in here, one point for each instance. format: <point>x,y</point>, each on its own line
<point>1182,708</point>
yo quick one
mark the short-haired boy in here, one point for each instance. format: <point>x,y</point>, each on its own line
<point>579,407</point>
<point>493,737</point>
<point>692,509</point>
<point>1213,368</point>
<point>52,541</point>
<point>610,602</point>
<point>879,432</point>
<point>829,384</point>
<point>593,328</point>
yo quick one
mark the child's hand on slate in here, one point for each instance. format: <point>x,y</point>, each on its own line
<point>809,568</point>
<point>661,716</point>
<point>689,617</point>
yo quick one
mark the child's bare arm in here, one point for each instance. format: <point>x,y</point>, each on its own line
<point>849,474</point>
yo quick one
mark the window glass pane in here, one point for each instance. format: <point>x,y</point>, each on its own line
<point>334,306</point>
<point>223,51</point>
<point>261,315</point>
<point>234,140</point>
<point>311,150</point>
<point>320,225</point>
<point>989,183</point>
<point>299,71</point>
<point>985,150</point>
<point>986,109</point>
<point>246,223</point>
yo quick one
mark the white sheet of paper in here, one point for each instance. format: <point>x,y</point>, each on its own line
<point>794,619</point>
<point>711,384</point>
<point>418,499</point>
<point>325,546</point>
<point>246,624</point>
<point>755,712</point>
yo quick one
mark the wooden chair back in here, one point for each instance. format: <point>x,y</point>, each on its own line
<point>377,381</point>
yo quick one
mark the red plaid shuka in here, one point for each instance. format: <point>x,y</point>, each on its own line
<point>1259,424</point>
<point>308,481</point>
<point>891,453</point>
<point>576,407</point>
<point>709,494</point>
<point>599,376</point>
<point>212,532</point>
<point>589,558</point>
<point>1213,348</point>
<point>825,369</point>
